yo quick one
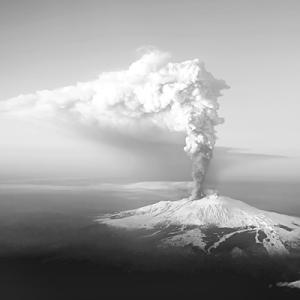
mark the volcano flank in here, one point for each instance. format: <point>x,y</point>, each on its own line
<point>213,224</point>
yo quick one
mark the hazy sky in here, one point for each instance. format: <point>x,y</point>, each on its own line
<point>253,45</point>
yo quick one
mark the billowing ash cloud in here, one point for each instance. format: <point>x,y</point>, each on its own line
<point>175,96</point>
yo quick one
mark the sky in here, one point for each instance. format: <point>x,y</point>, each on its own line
<point>253,45</point>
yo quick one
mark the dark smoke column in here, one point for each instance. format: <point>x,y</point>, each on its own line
<point>199,145</point>
<point>203,118</point>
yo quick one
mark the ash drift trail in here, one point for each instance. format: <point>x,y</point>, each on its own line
<point>184,97</point>
<point>179,97</point>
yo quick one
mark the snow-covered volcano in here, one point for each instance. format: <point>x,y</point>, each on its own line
<point>213,223</point>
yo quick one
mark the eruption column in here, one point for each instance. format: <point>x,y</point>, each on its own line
<point>199,146</point>
<point>203,117</point>
<point>180,97</point>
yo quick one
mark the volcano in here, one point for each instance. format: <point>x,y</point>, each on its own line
<point>213,224</point>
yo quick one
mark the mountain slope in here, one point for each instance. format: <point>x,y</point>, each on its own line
<point>212,223</point>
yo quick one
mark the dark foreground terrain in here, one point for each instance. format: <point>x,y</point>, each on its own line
<point>36,278</point>
<point>121,266</point>
<point>51,248</point>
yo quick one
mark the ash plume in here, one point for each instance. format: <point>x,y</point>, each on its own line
<point>152,92</point>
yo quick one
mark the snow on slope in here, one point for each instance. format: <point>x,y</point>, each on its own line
<point>191,216</point>
<point>294,284</point>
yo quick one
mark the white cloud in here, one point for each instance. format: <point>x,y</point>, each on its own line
<point>152,93</point>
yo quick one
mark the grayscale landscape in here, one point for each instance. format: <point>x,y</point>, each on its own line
<point>149,149</point>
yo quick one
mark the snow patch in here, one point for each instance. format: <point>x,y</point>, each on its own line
<point>280,232</point>
<point>294,284</point>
